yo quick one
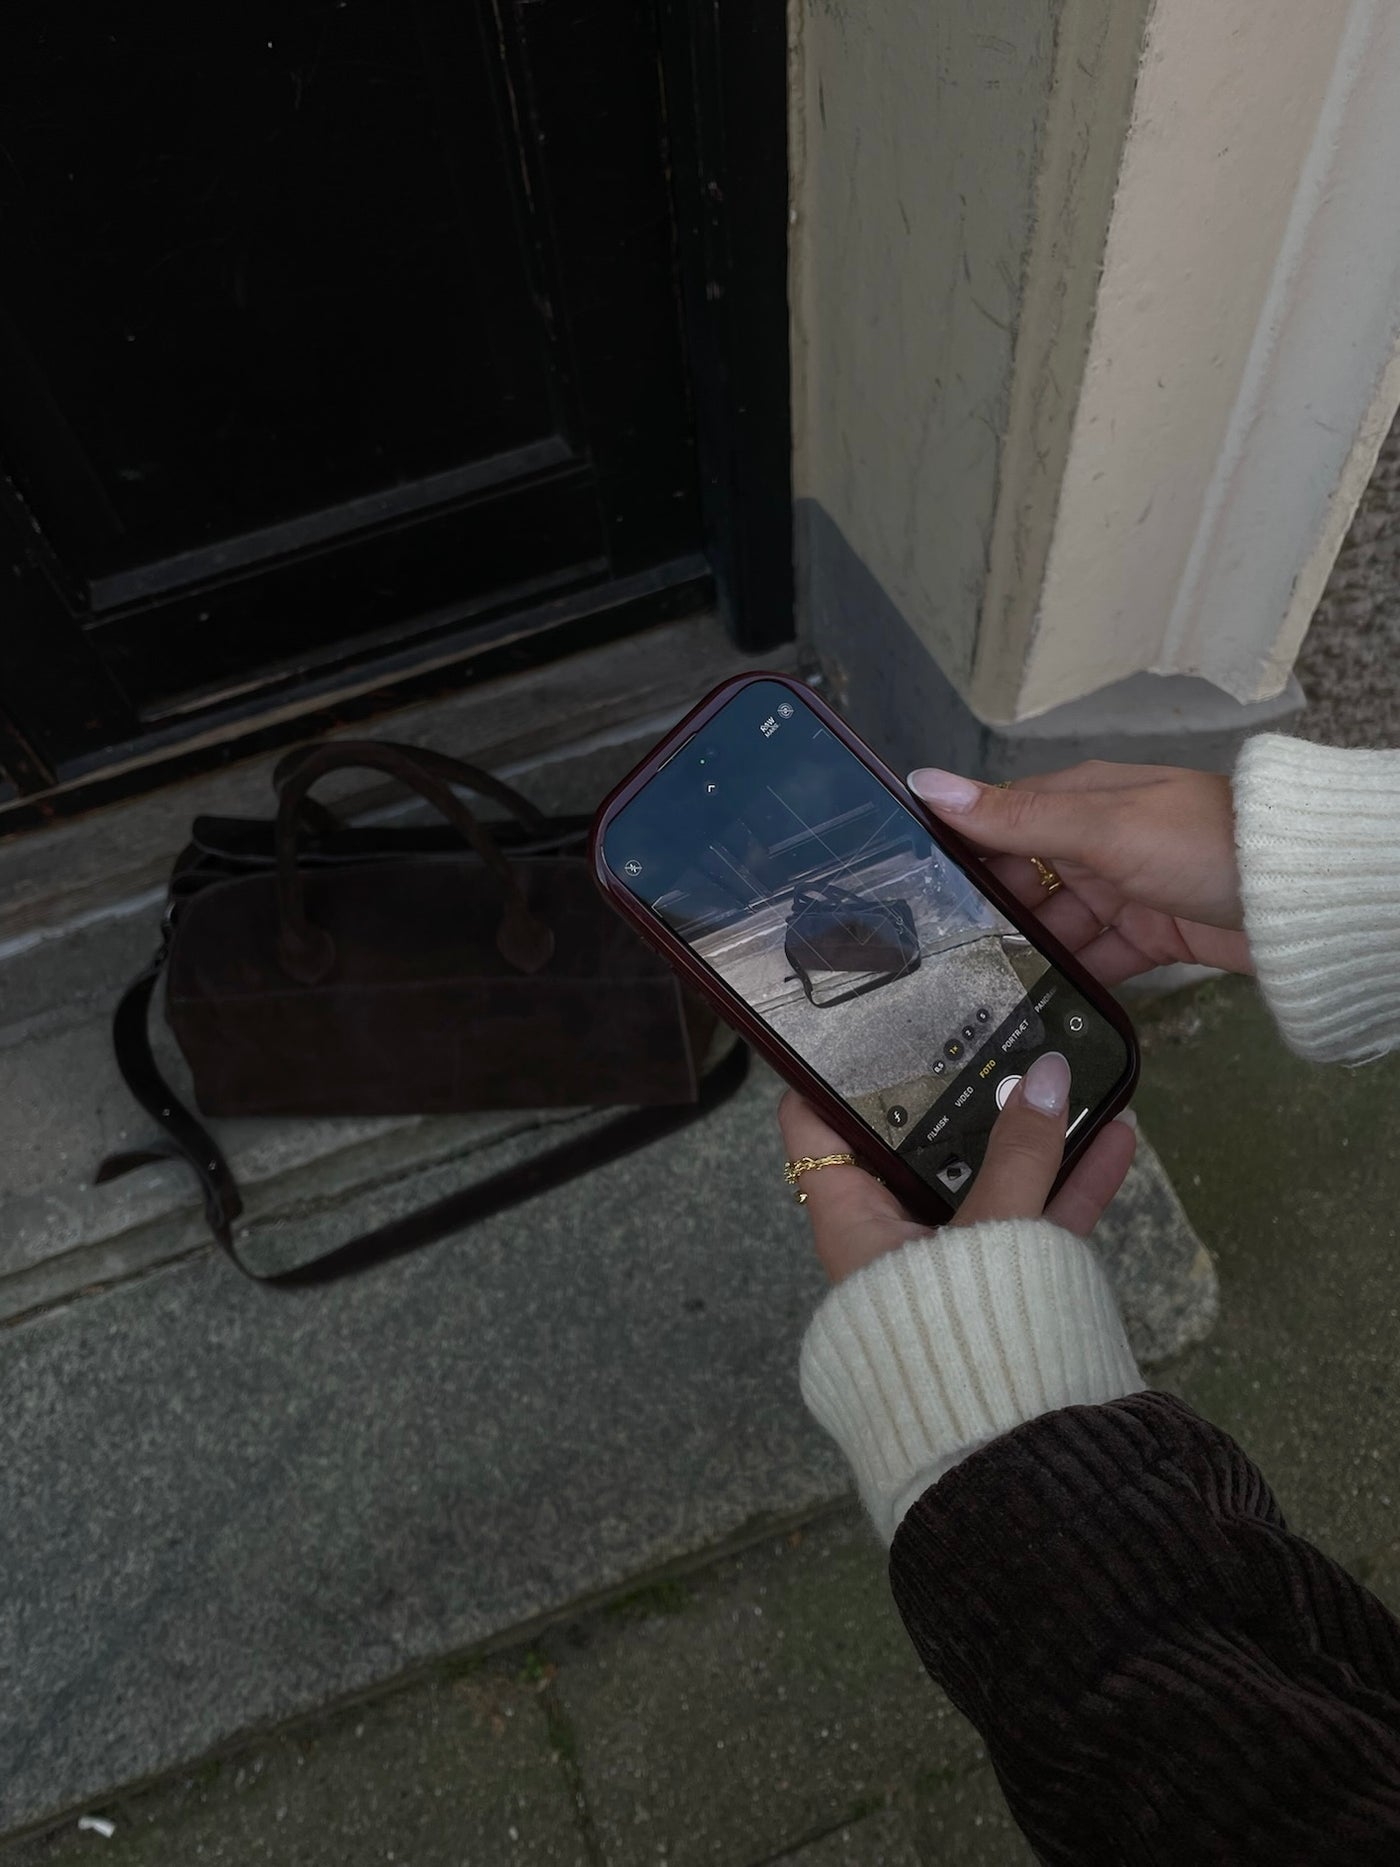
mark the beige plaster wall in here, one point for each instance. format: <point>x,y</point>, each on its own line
<point>953,168</point>
<point>1210,175</point>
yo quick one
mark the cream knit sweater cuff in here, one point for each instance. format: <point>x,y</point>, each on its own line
<point>933,1350</point>
<point>1318,836</point>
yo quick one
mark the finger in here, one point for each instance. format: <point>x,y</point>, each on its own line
<point>1112,958</point>
<point>807,1134</point>
<point>1063,912</point>
<point>1175,938</point>
<point>1103,950</point>
<point>1026,1147</point>
<point>1095,1178</point>
<point>1054,825</point>
<point>1091,774</point>
<point>1226,947</point>
<point>854,1218</point>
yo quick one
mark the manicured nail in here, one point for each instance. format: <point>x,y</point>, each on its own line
<point>1128,1117</point>
<point>1046,1085</point>
<point>945,790</point>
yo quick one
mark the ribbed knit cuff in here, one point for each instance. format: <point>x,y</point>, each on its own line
<point>933,1350</point>
<point>1318,833</point>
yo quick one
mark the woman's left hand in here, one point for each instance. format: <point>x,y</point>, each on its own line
<point>855,1219</point>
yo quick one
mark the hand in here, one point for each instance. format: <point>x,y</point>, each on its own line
<point>1146,854</point>
<point>855,1219</point>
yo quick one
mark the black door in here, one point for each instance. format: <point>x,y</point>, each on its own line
<point>333,334</point>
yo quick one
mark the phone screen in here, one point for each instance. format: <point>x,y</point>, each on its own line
<point>822,902</point>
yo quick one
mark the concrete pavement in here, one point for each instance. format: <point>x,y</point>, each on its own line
<point>765,1707</point>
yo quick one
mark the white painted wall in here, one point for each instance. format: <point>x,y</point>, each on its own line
<point>917,135</point>
<point>1242,371</point>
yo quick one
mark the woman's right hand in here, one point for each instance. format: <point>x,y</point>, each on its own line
<point>1146,854</point>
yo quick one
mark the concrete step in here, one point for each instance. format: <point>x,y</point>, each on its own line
<point>79,914</point>
<point>223,1507</point>
<point>561,729</point>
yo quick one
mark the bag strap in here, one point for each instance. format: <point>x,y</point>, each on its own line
<point>804,977</point>
<point>804,899</point>
<point>188,1140</point>
<point>185,1138</point>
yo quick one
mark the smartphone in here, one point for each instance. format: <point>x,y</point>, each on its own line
<point>856,941</point>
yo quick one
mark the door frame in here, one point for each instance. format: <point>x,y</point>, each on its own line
<point>725,71</point>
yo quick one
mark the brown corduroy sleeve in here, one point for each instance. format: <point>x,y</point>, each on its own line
<point>1161,1671</point>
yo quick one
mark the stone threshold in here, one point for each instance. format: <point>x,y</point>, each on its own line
<point>79,915</point>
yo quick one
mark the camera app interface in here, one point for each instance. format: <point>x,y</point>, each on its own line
<point>822,902</point>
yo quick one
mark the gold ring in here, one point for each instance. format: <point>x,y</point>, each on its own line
<point>1049,880</point>
<point>793,1170</point>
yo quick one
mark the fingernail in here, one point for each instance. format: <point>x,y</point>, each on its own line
<point>1128,1117</point>
<point>945,790</point>
<point>1046,1085</point>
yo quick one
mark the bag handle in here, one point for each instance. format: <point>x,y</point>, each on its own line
<point>306,951</point>
<point>827,894</point>
<point>453,771</point>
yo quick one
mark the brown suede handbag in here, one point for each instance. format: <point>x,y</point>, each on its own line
<point>318,968</point>
<point>832,931</point>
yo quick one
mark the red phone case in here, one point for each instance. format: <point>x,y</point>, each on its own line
<point>920,1198</point>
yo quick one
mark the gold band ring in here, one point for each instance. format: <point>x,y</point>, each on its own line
<point>793,1170</point>
<point>1049,880</point>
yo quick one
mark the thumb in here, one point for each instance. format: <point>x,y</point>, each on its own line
<point>1055,825</point>
<point>1026,1148</point>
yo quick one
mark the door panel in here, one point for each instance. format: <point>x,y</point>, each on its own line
<point>324,326</point>
<point>216,265</point>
